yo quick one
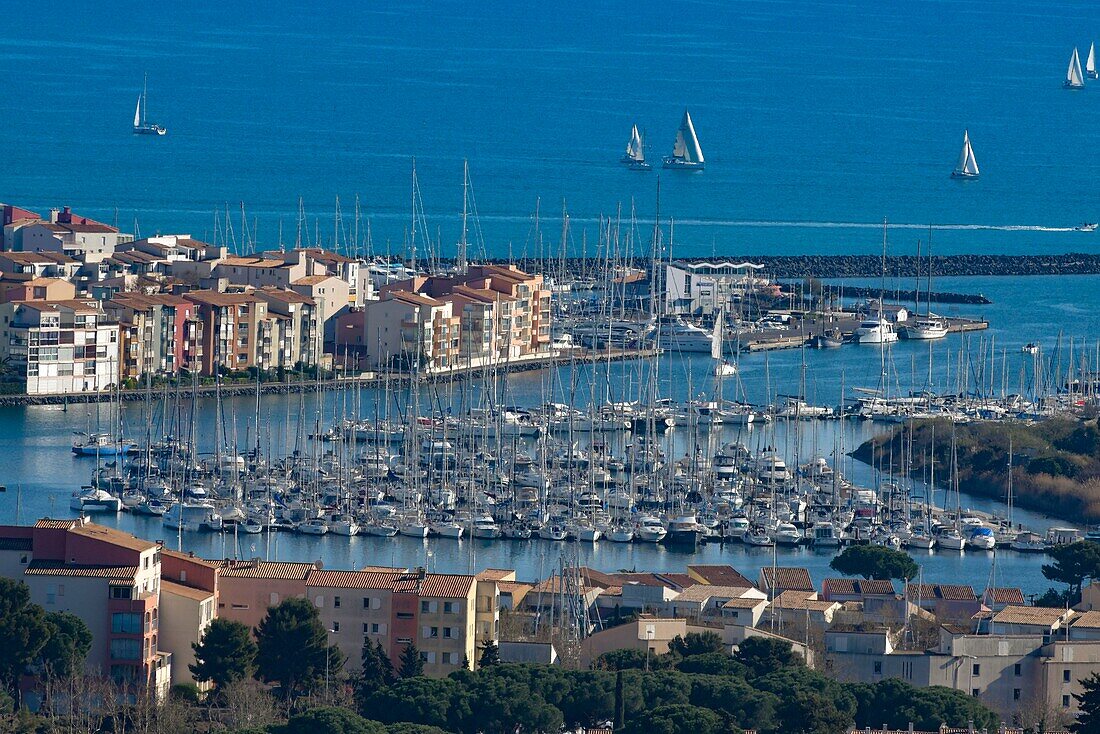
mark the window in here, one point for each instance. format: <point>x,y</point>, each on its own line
<point>878,667</point>
<point>434,632</point>
<point>125,649</point>
<point>976,669</point>
<point>404,615</point>
<point>404,641</point>
<point>274,599</point>
<point>335,626</point>
<point>975,692</point>
<point>1015,694</point>
<point>1065,675</point>
<point>239,606</point>
<point>449,607</point>
<point>1017,669</point>
<point>120,592</point>
<point>1065,702</point>
<point>425,607</point>
<point>336,602</point>
<point>366,628</point>
<point>366,602</point>
<point>126,623</point>
<point>448,658</point>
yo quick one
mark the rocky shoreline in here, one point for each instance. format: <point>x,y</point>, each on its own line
<point>865,266</point>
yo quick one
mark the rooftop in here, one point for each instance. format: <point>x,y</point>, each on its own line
<point>703,592</point>
<point>1046,616</point>
<point>188,592</point>
<point>720,575</point>
<point>797,579</point>
<point>58,568</point>
<point>112,536</point>
<point>281,570</point>
<point>858,587</point>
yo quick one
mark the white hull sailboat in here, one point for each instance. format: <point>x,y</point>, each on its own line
<point>686,152</point>
<point>1090,63</point>
<point>141,125</point>
<point>634,158</point>
<point>967,167</point>
<point>1074,78</point>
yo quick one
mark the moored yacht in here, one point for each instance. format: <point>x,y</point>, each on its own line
<point>925,328</point>
<point>875,330</point>
<point>673,334</point>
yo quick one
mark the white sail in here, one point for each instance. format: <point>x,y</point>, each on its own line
<point>137,112</point>
<point>967,165</point>
<point>686,137</point>
<point>634,149</point>
<point>1090,64</point>
<point>716,339</point>
<point>679,148</point>
<point>1074,77</point>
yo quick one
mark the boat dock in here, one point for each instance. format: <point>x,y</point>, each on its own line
<point>810,327</point>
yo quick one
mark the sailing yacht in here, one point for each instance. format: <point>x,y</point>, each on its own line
<point>686,152</point>
<point>634,158</point>
<point>722,368</point>
<point>1090,63</point>
<point>1074,78</point>
<point>141,125</point>
<point>967,167</point>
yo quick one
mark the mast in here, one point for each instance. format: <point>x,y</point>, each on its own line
<point>462,244</point>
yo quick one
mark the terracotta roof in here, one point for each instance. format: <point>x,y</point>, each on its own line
<point>797,579</point>
<point>415,298</point>
<point>675,581</point>
<point>353,579</point>
<point>1004,595</point>
<point>142,301</point>
<point>87,228</point>
<point>282,570</point>
<point>252,262</point>
<point>720,575</point>
<point>56,524</point>
<point>1046,616</point>
<point>216,298</point>
<point>112,536</point>
<point>313,279</point>
<point>1088,620</point>
<point>326,255</point>
<point>165,552</point>
<point>446,586</point>
<point>947,592</point>
<point>703,592</point>
<point>494,574</point>
<point>857,587</point>
<point>171,587</point>
<point>801,600</point>
<point>744,602</point>
<point>57,568</point>
<point>283,294</point>
<point>482,294</point>
<point>36,258</point>
<point>511,587</point>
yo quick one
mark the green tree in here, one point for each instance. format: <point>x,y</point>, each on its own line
<point>712,663</point>
<point>24,631</point>
<point>490,655</point>
<point>329,720</point>
<point>735,698</point>
<point>625,659</point>
<point>677,719</point>
<point>696,643</point>
<point>376,672</point>
<point>292,648</point>
<point>764,655</point>
<point>405,727</point>
<point>418,700</point>
<point>875,562</point>
<point>1088,701</point>
<point>1073,564</point>
<point>226,654</point>
<point>620,703</point>
<point>809,712</point>
<point>411,663</point>
<point>495,705</point>
<point>68,645</point>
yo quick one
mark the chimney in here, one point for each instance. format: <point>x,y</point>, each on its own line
<point>53,216</point>
<point>66,216</point>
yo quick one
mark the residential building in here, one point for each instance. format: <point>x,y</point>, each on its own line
<point>949,602</point>
<point>248,588</point>
<point>78,237</point>
<point>259,272</point>
<point>296,338</point>
<point>12,221</point>
<point>111,580</point>
<point>774,581</point>
<point>330,296</point>
<point>159,333</point>
<point>40,264</point>
<point>67,346</point>
<point>20,287</point>
<point>236,332</point>
<point>402,329</point>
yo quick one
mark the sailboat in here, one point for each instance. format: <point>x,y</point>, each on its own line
<point>967,167</point>
<point>686,152</point>
<point>141,125</point>
<point>722,367</point>
<point>1090,63</point>
<point>634,158</point>
<point>1074,78</point>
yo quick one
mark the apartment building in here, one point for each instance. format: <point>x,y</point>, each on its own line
<point>12,221</point>
<point>109,579</point>
<point>19,287</point>
<point>403,329</point>
<point>348,270</point>
<point>40,264</point>
<point>159,333</point>
<point>259,271</point>
<point>67,346</point>
<point>78,237</point>
<point>296,336</point>
<point>438,613</point>
<point>236,333</point>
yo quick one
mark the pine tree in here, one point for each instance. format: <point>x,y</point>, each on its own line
<point>1088,720</point>
<point>411,664</point>
<point>490,655</point>
<point>620,702</point>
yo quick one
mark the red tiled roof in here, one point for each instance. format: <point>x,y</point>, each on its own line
<point>1004,595</point>
<point>947,592</point>
<point>720,575</point>
<point>58,568</point>
<point>793,579</point>
<point>857,587</point>
<point>352,579</point>
<point>267,570</point>
<point>446,586</point>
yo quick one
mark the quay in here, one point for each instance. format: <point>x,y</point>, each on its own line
<point>796,337</point>
<point>234,386</point>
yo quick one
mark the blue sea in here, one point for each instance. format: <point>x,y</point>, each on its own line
<point>818,120</point>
